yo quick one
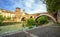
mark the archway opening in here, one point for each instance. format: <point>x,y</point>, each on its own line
<point>31,17</point>
<point>50,17</point>
<point>42,19</point>
<point>23,19</point>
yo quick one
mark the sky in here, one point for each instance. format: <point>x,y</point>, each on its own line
<point>30,6</point>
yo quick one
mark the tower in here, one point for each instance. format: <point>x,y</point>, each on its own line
<point>18,9</point>
<point>18,14</point>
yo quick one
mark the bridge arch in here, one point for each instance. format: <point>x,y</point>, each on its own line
<point>46,15</point>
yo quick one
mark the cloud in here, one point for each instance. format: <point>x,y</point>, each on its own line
<point>37,8</point>
<point>28,3</point>
<point>31,6</point>
<point>34,6</point>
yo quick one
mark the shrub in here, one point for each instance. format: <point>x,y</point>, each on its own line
<point>30,22</point>
<point>8,18</point>
<point>1,19</point>
<point>58,23</point>
<point>42,20</point>
<point>9,23</point>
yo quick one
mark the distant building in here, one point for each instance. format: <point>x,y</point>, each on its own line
<point>17,15</point>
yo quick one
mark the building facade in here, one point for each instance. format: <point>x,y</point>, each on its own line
<point>15,16</point>
<point>18,15</point>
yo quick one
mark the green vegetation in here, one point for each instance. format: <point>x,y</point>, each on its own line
<point>8,18</point>
<point>58,24</point>
<point>4,18</point>
<point>52,6</point>
<point>9,23</point>
<point>42,20</point>
<point>1,19</point>
<point>30,22</point>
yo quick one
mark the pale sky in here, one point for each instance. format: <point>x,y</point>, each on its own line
<point>30,6</point>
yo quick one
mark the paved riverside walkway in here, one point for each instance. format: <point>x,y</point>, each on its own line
<point>45,31</point>
<point>48,31</point>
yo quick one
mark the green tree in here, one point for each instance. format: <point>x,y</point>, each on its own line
<point>30,22</point>
<point>42,20</point>
<point>1,18</point>
<point>8,18</point>
<point>52,6</point>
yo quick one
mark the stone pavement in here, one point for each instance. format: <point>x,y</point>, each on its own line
<point>47,31</point>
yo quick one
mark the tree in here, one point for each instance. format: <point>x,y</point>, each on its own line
<point>30,22</point>
<point>42,20</point>
<point>8,18</point>
<point>1,18</point>
<point>52,6</point>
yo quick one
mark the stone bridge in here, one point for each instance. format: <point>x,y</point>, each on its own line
<point>46,14</point>
<point>36,16</point>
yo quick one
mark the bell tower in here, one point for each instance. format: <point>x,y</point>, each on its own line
<point>17,13</point>
<point>18,9</point>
